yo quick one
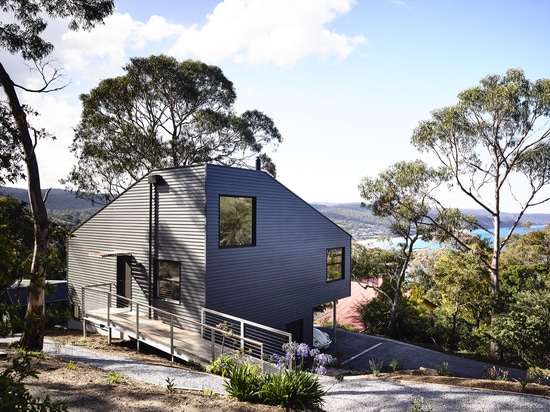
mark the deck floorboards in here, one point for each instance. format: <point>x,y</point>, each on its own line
<point>188,345</point>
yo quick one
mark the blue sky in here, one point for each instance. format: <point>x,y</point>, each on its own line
<point>345,82</point>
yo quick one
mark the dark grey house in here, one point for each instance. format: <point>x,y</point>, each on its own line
<point>230,240</point>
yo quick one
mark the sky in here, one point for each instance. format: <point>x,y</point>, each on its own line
<point>346,82</point>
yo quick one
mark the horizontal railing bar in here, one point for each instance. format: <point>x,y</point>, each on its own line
<point>246,322</point>
<point>183,319</point>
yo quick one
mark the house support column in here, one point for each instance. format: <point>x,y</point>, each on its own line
<point>334,321</point>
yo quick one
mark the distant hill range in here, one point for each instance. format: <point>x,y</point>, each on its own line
<point>58,199</point>
<point>356,220</point>
<point>361,224</point>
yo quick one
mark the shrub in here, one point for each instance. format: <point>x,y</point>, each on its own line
<point>443,370</point>
<point>115,378</point>
<point>375,366</point>
<point>292,389</point>
<point>244,382</point>
<point>13,394</point>
<point>221,365</point>
<point>495,374</point>
<point>419,404</point>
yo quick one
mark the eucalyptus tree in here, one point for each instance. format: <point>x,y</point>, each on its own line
<point>495,142</point>
<point>404,194</point>
<point>21,33</point>
<point>162,113</point>
<point>463,283</point>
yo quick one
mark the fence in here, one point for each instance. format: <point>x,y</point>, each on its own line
<point>218,331</point>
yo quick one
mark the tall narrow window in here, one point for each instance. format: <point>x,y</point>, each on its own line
<point>335,264</point>
<point>237,221</point>
<point>168,280</point>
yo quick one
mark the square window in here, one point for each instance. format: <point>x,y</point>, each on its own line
<point>168,280</point>
<point>335,264</point>
<point>237,221</point>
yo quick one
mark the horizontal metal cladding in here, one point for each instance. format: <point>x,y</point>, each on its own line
<point>180,234</point>
<point>121,226</point>
<point>177,207</point>
<point>284,275</point>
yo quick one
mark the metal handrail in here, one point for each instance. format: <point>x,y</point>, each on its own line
<point>170,316</point>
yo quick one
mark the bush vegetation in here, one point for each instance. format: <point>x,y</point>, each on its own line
<point>447,301</point>
<point>294,385</point>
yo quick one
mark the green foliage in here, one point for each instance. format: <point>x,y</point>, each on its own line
<point>14,396</point>
<point>442,370</point>
<point>395,364</point>
<point>374,262</point>
<point>531,248</point>
<point>11,157</point>
<point>115,378</point>
<point>375,366</point>
<point>522,332</point>
<point>494,139</point>
<point>166,114</point>
<point>222,364</point>
<point>23,36</point>
<point>419,404</point>
<point>170,385</point>
<point>244,382</point>
<point>522,384</point>
<point>236,221</point>
<point>496,374</point>
<point>292,389</point>
<point>71,365</point>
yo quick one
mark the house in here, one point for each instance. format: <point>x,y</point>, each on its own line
<point>347,309</point>
<point>231,240</point>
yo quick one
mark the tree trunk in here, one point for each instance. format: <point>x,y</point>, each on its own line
<point>33,331</point>
<point>495,286</point>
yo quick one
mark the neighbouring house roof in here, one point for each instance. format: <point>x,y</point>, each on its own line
<point>346,309</point>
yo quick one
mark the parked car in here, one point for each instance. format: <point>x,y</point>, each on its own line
<point>321,340</point>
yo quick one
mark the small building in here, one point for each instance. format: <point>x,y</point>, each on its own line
<point>231,240</point>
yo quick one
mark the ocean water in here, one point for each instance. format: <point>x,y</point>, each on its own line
<point>421,244</point>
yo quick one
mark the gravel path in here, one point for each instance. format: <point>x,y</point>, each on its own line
<point>352,394</point>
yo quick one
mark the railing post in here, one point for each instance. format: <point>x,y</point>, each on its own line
<point>262,357</point>
<point>83,313</point>
<point>137,327</point>
<point>109,318</point>
<point>242,335</point>
<point>213,343</point>
<point>172,337</point>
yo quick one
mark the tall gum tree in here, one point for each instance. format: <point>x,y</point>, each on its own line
<point>162,113</point>
<point>495,141</point>
<point>403,194</point>
<point>22,36</point>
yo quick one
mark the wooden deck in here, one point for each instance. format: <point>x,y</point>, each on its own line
<point>186,345</point>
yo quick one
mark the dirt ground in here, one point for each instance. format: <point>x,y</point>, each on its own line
<point>88,389</point>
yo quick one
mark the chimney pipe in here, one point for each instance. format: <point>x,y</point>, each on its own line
<point>258,163</point>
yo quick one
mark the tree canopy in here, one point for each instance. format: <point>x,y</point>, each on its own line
<point>493,141</point>
<point>163,113</point>
<point>403,194</point>
<point>22,35</point>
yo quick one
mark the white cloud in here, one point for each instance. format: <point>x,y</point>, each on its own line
<point>276,32</point>
<point>108,45</point>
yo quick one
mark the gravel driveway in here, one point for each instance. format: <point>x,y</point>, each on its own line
<point>352,394</point>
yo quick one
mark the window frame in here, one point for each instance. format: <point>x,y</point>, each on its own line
<point>338,263</point>
<point>252,223</point>
<point>158,280</point>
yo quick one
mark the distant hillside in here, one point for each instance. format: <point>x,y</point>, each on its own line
<point>361,224</point>
<point>358,221</point>
<point>58,199</point>
<point>63,207</point>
